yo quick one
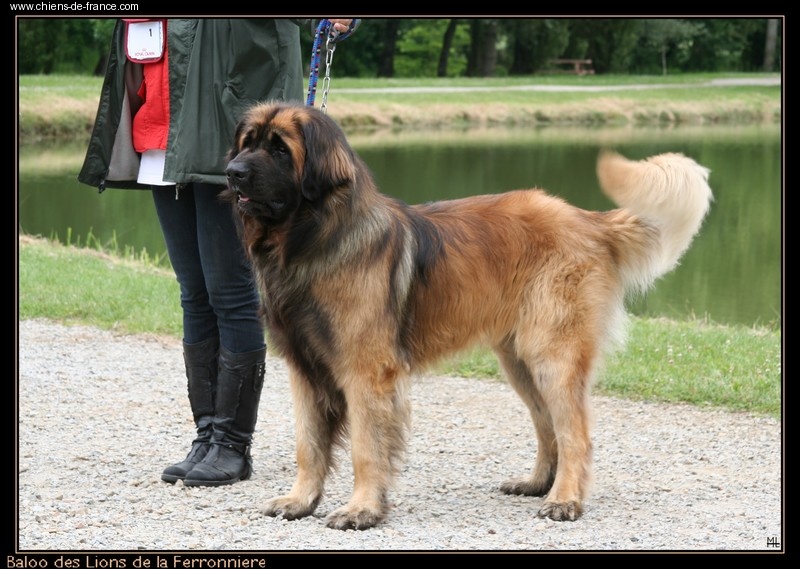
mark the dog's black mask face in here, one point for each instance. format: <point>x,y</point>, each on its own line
<point>286,156</point>
<point>262,180</point>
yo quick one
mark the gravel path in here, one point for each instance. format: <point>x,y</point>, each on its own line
<point>101,414</point>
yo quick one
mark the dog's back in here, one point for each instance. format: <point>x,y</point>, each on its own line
<point>529,261</point>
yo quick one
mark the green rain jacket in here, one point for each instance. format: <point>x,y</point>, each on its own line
<point>217,69</point>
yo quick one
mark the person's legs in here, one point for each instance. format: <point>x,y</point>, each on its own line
<point>234,297</point>
<point>232,291</point>
<point>178,219</point>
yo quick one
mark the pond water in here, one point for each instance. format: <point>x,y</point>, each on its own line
<point>731,274</point>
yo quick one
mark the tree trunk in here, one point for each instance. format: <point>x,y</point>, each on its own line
<point>489,59</point>
<point>447,43</point>
<point>522,60</point>
<point>483,48</point>
<point>770,44</point>
<point>386,61</point>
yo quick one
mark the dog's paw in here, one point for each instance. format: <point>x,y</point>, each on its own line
<point>354,518</point>
<point>288,508</point>
<point>561,512</point>
<point>525,486</point>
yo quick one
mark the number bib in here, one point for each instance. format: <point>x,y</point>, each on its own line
<point>144,40</point>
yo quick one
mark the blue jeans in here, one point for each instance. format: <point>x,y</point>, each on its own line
<point>218,293</point>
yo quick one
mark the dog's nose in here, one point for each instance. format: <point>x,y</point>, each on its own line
<point>237,172</point>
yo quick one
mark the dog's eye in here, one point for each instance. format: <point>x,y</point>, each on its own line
<point>278,147</point>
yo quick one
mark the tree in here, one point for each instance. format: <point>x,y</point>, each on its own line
<point>609,42</point>
<point>60,45</point>
<point>421,47</point>
<point>533,41</point>
<point>770,44</point>
<point>101,36</point>
<point>724,43</point>
<point>665,34</point>
<point>483,47</point>
<point>479,47</point>
<point>391,30</point>
<point>447,44</point>
<point>39,42</point>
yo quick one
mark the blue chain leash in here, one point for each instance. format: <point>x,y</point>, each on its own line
<point>324,31</point>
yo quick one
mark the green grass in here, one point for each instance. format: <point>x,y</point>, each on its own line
<point>35,87</point>
<point>734,367</point>
<point>673,95</point>
<point>89,86</point>
<point>92,286</point>
<point>697,362</point>
<point>543,79</point>
<point>63,106</point>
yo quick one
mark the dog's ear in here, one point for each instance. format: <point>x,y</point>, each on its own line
<point>329,161</point>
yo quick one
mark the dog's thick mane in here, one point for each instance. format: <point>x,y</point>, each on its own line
<point>345,221</point>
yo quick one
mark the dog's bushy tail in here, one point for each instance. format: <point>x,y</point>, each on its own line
<point>668,196</point>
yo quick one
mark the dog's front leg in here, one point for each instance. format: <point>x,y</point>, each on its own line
<point>318,421</point>
<point>378,413</point>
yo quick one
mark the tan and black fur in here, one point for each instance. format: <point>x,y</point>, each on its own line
<point>361,291</point>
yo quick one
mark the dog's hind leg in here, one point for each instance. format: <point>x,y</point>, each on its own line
<point>378,412</point>
<point>539,482</point>
<point>568,402</point>
<point>554,383</point>
<point>319,417</point>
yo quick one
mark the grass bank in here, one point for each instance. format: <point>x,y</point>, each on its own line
<point>696,362</point>
<point>64,106</point>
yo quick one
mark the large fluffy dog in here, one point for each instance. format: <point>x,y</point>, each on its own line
<point>361,291</point>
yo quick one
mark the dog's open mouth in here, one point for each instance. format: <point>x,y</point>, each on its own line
<point>244,201</point>
<point>250,205</point>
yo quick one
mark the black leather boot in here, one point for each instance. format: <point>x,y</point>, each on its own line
<point>201,360</point>
<point>239,382</point>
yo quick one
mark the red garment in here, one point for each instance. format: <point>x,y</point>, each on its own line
<point>151,121</point>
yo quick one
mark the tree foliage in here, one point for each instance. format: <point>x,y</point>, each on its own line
<point>534,41</point>
<point>62,45</point>
<point>450,47</point>
<point>419,50</point>
<point>669,36</point>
